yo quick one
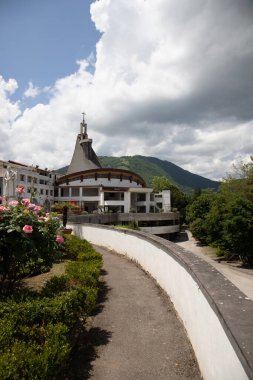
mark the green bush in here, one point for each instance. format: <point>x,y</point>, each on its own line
<point>41,355</point>
<point>73,246</point>
<point>55,285</point>
<point>83,273</point>
<point>27,241</point>
<point>35,327</point>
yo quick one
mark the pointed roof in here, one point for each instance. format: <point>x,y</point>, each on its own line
<point>84,157</point>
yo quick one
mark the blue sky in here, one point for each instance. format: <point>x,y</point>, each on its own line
<point>165,78</point>
<point>41,40</point>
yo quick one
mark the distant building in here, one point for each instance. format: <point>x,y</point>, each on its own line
<point>96,191</point>
<point>37,182</point>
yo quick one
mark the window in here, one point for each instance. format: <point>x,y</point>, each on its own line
<point>42,191</point>
<point>22,177</point>
<point>75,191</point>
<point>64,191</point>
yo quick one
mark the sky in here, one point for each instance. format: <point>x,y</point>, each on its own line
<point>172,79</point>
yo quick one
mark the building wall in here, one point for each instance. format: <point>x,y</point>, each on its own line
<point>34,180</point>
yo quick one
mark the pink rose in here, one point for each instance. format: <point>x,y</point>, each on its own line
<point>37,208</point>
<point>25,201</point>
<point>20,189</point>
<point>27,229</point>
<point>13,203</point>
<point>4,209</point>
<point>59,239</point>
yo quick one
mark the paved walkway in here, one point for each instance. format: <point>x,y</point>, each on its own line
<point>144,338</point>
<point>239,276</point>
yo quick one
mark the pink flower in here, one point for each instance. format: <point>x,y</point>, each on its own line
<point>37,208</point>
<point>20,189</point>
<point>13,203</point>
<point>59,239</point>
<point>4,209</point>
<point>27,229</point>
<point>25,201</point>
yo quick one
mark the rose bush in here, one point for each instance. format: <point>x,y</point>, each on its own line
<point>28,241</point>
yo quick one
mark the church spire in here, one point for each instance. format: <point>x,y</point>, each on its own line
<point>84,157</point>
<point>83,128</point>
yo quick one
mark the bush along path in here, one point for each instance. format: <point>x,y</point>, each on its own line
<point>36,327</point>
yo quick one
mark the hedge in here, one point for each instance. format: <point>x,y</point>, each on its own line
<point>35,327</point>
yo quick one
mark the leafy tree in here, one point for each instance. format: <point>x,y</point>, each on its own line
<point>225,220</point>
<point>238,228</point>
<point>201,206</point>
<point>240,181</point>
<point>161,183</point>
<point>178,198</point>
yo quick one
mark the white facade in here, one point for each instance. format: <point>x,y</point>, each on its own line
<point>37,182</point>
<point>105,190</point>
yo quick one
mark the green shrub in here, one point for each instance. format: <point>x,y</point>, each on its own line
<point>83,273</point>
<point>74,245</point>
<point>42,355</point>
<point>27,241</point>
<point>55,285</point>
<point>35,327</point>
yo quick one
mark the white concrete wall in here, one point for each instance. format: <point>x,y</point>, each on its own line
<point>215,354</point>
<point>161,230</point>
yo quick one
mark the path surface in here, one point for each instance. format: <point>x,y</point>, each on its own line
<point>146,340</point>
<point>240,277</point>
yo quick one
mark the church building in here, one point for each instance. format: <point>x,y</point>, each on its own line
<point>102,195</point>
<point>94,188</point>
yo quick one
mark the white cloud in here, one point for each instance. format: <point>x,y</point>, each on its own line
<point>31,91</point>
<point>173,79</point>
<point>9,111</point>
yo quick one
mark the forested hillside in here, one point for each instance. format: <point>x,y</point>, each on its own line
<point>149,167</point>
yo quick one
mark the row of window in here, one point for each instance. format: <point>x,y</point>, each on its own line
<point>33,180</point>
<point>41,191</point>
<point>75,192</point>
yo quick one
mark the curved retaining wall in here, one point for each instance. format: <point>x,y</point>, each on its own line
<point>217,316</point>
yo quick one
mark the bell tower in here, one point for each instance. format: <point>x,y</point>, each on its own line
<point>84,157</point>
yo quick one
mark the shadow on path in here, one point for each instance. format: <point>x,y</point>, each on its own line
<point>89,338</point>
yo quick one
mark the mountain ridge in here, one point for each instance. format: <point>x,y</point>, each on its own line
<point>148,167</point>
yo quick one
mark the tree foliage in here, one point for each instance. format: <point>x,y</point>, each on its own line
<point>178,198</point>
<point>225,219</point>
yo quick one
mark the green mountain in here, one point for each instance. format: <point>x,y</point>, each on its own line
<point>149,167</point>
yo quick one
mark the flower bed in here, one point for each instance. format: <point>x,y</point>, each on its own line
<point>28,240</point>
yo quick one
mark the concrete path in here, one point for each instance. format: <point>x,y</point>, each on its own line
<point>145,339</point>
<point>240,277</point>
